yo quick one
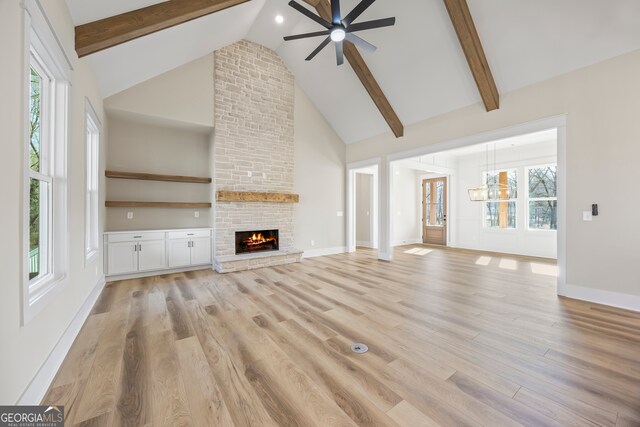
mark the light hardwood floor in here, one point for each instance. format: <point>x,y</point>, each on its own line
<point>453,342</point>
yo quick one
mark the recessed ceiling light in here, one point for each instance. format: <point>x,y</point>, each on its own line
<point>279,19</point>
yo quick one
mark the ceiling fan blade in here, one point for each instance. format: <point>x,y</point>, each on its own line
<point>306,35</point>
<point>340,52</point>
<point>363,44</point>
<point>306,12</point>
<point>357,11</point>
<point>318,49</point>
<point>335,11</point>
<point>369,25</point>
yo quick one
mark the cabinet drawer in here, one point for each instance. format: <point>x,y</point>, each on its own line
<point>187,234</point>
<point>130,237</point>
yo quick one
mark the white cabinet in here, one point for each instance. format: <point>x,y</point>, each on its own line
<point>122,258</point>
<point>135,252</point>
<point>200,250</point>
<point>189,248</point>
<point>152,255</point>
<point>148,251</point>
<point>179,252</point>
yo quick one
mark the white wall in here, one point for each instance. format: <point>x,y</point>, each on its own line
<point>150,148</point>
<point>182,95</point>
<point>364,209</point>
<point>602,104</point>
<point>407,201</point>
<point>319,178</point>
<point>25,348</point>
<point>468,218</point>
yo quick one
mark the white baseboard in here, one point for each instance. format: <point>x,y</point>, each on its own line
<point>599,296</point>
<point>36,390</point>
<point>324,252</point>
<point>402,242</point>
<point>363,243</point>
<point>158,273</point>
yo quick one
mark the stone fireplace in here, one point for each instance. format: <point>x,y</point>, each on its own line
<point>253,152</point>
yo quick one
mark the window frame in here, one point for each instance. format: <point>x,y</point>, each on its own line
<point>485,176</point>
<point>93,135</point>
<point>42,45</point>
<point>538,199</point>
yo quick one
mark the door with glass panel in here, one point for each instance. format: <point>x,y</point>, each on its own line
<point>434,211</point>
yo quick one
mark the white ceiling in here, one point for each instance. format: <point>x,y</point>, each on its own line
<point>419,63</point>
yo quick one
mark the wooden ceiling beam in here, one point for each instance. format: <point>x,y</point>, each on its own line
<point>468,35</point>
<point>105,33</point>
<point>323,7</point>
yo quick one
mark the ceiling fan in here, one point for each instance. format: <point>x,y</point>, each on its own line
<point>341,29</point>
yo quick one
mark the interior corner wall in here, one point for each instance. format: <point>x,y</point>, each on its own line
<point>26,348</point>
<point>319,179</point>
<point>602,106</point>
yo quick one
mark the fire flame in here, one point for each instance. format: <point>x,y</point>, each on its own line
<point>258,239</point>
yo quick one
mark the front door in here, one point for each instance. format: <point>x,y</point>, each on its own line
<point>434,211</point>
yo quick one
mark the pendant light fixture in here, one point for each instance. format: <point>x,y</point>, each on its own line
<point>481,193</point>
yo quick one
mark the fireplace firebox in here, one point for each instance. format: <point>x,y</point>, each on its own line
<point>256,241</point>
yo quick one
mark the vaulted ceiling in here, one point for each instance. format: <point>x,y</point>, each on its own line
<point>419,65</point>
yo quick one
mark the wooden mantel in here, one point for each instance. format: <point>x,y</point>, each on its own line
<point>249,196</point>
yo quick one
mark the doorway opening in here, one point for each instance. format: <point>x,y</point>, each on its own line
<point>516,212</point>
<point>363,204</point>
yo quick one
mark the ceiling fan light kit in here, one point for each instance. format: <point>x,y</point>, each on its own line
<point>340,29</point>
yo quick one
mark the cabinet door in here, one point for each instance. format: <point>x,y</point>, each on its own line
<point>152,255</point>
<point>201,250</point>
<point>122,258</point>
<point>179,253</point>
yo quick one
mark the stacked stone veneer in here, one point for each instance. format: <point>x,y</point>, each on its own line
<point>254,103</point>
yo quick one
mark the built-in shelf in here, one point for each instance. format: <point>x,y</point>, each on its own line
<point>114,204</point>
<point>248,196</point>
<point>156,177</point>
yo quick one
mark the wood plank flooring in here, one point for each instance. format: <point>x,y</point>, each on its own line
<point>456,338</point>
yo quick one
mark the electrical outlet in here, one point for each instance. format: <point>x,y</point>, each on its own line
<point>264,175</point>
<point>196,214</point>
<point>129,215</point>
<point>340,213</point>
<point>249,174</point>
<point>313,243</point>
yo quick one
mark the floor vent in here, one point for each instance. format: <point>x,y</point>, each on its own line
<point>359,348</point>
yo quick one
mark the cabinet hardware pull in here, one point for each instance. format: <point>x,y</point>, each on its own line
<point>137,237</point>
<point>189,234</point>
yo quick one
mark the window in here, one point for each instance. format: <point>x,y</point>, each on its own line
<point>47,74</point>
<point>92,147</point>
<point>40,178</point>
<point>500,210</point>
<point>542,197</point>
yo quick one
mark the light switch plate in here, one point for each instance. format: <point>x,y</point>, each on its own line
<point>196,214</point>
<point>587,216</point>
<point>129,215</point>
<point>340,213</point>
